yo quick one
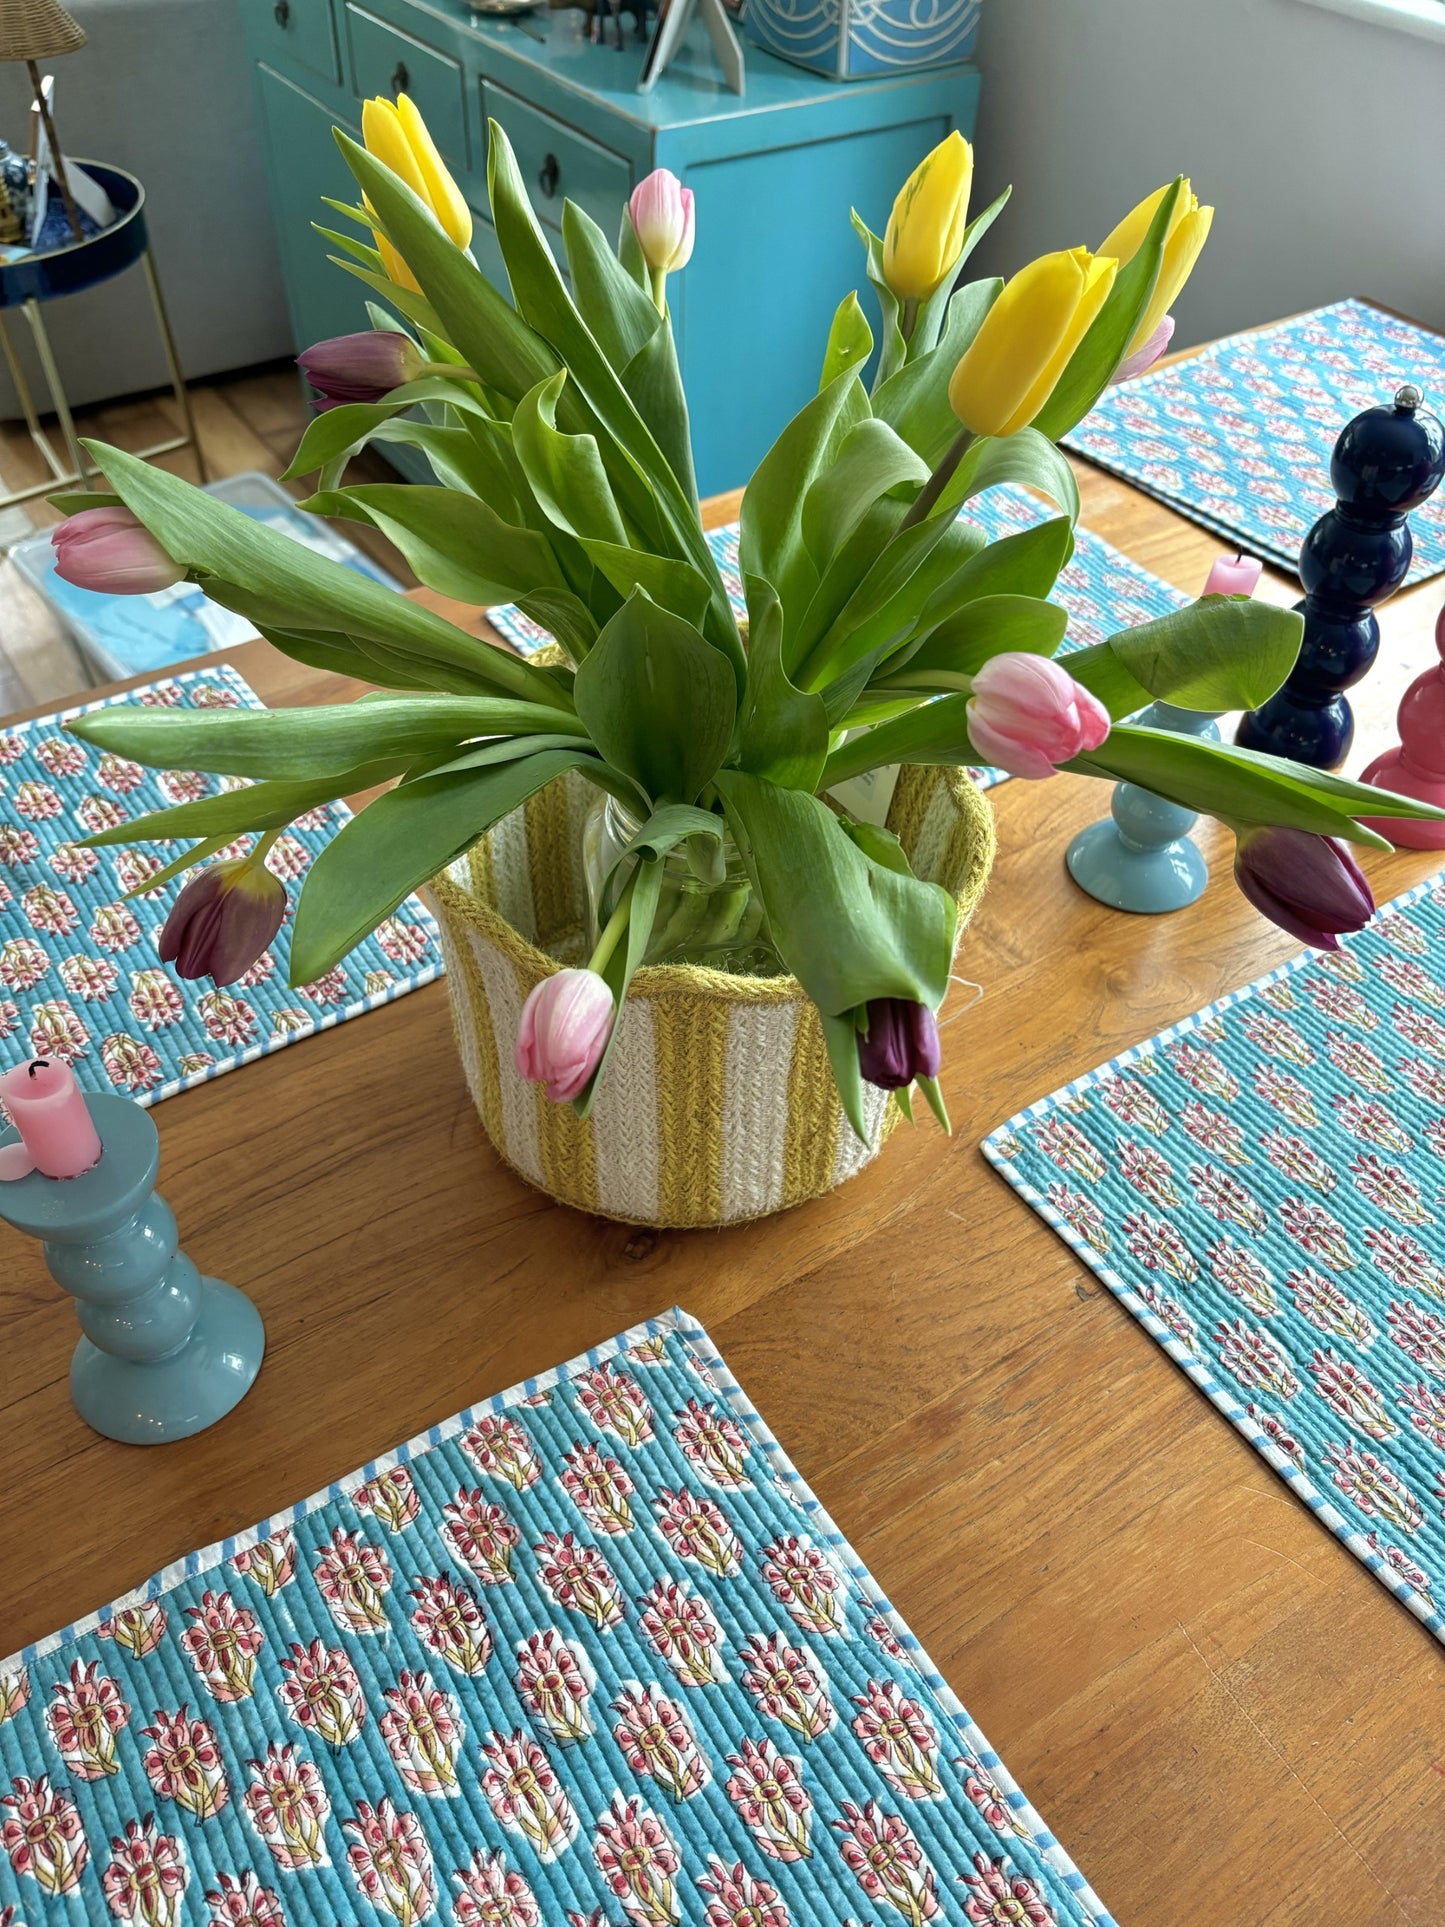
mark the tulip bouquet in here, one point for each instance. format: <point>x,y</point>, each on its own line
<point>882,628</point>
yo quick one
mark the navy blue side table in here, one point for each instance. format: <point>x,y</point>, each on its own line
<point>34,279</point>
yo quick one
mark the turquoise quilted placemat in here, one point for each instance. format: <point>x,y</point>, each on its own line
<point>80,978</point>
<point>587,1655</point>
<point>1238,438</point>
<point>1102,590</point>
<point>1263,1186</point>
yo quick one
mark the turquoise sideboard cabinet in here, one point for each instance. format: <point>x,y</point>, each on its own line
<point>775,173</point>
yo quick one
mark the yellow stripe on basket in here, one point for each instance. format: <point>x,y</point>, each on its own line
<point>568,1153</point>
<point>548,863</point>
<point>471,1019</point>
<point>692,1046</point>
<point>813,1114</point>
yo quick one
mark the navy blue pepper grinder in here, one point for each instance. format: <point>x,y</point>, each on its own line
<point>1386,462</point>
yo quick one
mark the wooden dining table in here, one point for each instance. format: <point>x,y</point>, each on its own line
<point>1226,1720</point>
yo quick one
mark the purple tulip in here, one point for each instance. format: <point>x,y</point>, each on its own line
<point>564,1028</point>
<point>901,1043</point>
<point>1309,885</point>
<point>1144,358</point>
<point>1027,714</point>
<point>362,367</point>
<point>112,551</point>
<point>223,920</point>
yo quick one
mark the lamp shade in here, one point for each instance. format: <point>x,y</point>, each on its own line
<point>37,30</point>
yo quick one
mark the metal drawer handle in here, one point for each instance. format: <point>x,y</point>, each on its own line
<point>282,11</point>
<point>550,175</point>
<point>400,79</point>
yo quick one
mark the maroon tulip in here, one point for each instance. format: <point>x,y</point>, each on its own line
<point>112,551</point>
<point>223,920</point>
<point>901,1043</point>
<point>361,367</point>
<point>1309,885</point>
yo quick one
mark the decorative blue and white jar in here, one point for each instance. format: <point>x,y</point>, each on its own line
<point>858,39</point>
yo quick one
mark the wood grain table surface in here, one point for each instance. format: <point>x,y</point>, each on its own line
<point>1226,1720</point>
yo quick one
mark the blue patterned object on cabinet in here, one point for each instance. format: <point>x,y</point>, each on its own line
<point>79,975</point>
<point>590,1652</point>
<point>1238,438</point>
<point>847,39</point>
<point>1102,590</point>
<point>1263,1186</point>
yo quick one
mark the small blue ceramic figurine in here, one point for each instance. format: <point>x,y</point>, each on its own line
<point>1386,462</point>
<point>165,1352</point>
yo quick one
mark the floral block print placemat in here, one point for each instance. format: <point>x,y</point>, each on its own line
<point>80,977</point>
<point>1102,590</point>
<point>1264,1187</point>
<point>1239,437</point>
<point>587,1655</point>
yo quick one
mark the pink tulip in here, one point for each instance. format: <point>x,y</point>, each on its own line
<point>662,219</point>
<point>361,367</point>
<point>1028,715</point>
<point>1309,885</point>
<point>112,551</point>
<point>223,920</point>
<point>564,1029</point>
<point>1145,357</point>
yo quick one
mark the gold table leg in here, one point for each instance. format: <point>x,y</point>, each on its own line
<point>31,311</point>
<point>178,383</point>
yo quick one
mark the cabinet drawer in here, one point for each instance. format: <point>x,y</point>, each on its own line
<point>558,164</point>
<point>300,33</point>
<point>384,60</point>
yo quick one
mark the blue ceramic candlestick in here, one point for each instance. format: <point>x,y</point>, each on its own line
<point>166,1352</point>
<point>1140,857</point>
<point>1386,462</point>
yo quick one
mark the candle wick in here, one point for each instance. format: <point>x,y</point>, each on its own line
<point>38,1064</point>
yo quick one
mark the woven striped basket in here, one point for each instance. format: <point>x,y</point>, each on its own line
<point>718,1104</point>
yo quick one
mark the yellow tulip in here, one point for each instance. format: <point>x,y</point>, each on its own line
<point>925,229</point>
<point>397,135</point>
<point>1188,231</point>
<point>1012,365</point>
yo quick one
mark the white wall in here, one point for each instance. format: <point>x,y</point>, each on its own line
<point>1318,139</point>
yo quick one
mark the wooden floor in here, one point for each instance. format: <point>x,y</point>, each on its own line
<point>251,420</point>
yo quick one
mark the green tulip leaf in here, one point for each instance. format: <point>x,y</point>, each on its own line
<point>396,843</point>
<point>872,462</point>
<point>984,627</point>
<point>849,928</point>
<point>305,590</point>
<point>619,313</point>
<point>840,1037</point>
<point>653,380</point>
<point>850,342</point>
<point>893,349</point>
<point>304,743</point>
<point>342,430</point>
<point>1021,458</point>
<point>915,401</point>
<point>484,329</point>
<point>258,806</point>
<point>783,730</point>
<point>565,471</point>
<point>456,544</point>
<point>674,585</point>
<point>658,700</point>
<point>1240,785</point>
<point>1107,342</point>
<point>1222,652</point>
<point>771,540</point>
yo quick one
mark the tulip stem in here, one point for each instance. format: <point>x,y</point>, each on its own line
<point>616,924</point>
<point>658,278</point>
<point>452,370</point>
<point>927,497</point>
<point>908,320</point>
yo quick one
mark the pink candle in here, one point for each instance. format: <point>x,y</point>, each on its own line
<point>48,1109</point>
<point>1234,575</point>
